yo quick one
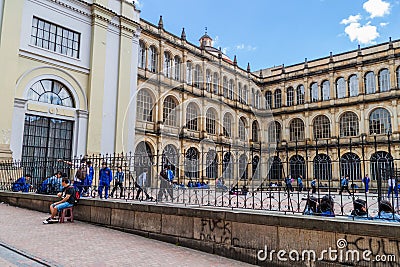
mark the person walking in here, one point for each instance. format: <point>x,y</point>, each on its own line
<point>314,186</point>
<point>344,185</point>
<point>105,178</point>
<point>118,182</point>
<point>164,185</point>
<point>288,182</point>
<point>141,185</point>
<point>366,181</point>
<point>392,187</point>
<point>300,183</point>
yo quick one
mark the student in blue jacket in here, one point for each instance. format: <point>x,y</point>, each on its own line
<point>22,184</point>
<point>105,178</point>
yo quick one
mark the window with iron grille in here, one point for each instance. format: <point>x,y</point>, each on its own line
<point>143,160</point>
<point>225,87</point>
<point>254,131</point>
<point>177,68</point>
<point>275,168</point>
<point>189,69</point>
<point>322,167</point>
<point>349,124</point>
<point>215,82</point>
<point>191,117</point>
<point>381,165</point>
<point>211,165</point>
<point>350,164</point>
<point>300,94</point>
<point>55,38</point>
<point>240,93</point>
<point>46,140</point>
<point>297,166</point>
<point>227,165</point>
<point>170,157</point>
<point>210,121</point>
<point>167,64</point>
<point>152,59</point>
<point>353,85</point>
<point>192,163</point>
<point>170,112</point>
<point>197,76</point>
<point>242,129</point>
<point>245,94</point>
<point>296,130</point>
<point>380,122</point>
<point>144,106</point>
<point>208,81</point>
<point>384,80</point>
<point>322,127</point>
<point>230,89</point>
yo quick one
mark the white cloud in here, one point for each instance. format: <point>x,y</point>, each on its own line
<point>216,40</point>
<point>225,50</point>
<point>351,19</point>
<point>377,8</point>
<point>383,24</point>
<point>363,34</point>
<point>245,47</point>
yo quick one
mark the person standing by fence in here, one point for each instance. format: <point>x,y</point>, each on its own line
<point>366,181</point>
<point>105,178</point>
<point>118,182</point>
<point>392,187</point>
<point>89,179</point>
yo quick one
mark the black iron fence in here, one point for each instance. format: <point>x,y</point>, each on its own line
<point>289,177</point>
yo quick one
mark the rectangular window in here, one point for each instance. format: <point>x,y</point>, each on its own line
<point>55,38</point>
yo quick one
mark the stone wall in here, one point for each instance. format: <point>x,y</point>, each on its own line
<point>238,234</point>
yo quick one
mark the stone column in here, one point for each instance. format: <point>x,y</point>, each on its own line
<point>18,121</point>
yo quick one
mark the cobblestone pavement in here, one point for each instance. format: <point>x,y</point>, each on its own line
<point>83,244</point>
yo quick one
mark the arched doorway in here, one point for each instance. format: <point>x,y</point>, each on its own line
<point>212,165</point>
<point>381,165</point>
<point>192,163</point>
<point>143,159</point>
<point>297,167</point>
<point>170,157</point>
<point>350,164</point>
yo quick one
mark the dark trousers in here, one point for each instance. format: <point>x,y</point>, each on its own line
<point>164,188</point>
<point>314,189</point>
<point>141,190</point>
<point>344,187</point>
<point>121,186</point>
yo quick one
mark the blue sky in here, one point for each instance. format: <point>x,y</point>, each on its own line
<point>267,33</point>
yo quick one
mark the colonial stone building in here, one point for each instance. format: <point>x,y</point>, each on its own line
<point>92,77</point>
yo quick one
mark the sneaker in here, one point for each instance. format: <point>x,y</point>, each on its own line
<point>53,220</point>
<point>45,222</point>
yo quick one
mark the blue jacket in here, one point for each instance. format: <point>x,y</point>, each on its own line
<point>387,216</point>
<point>20,185</point>
<point>105,175</point>
<point>91,174</point>
<point>119,177</point>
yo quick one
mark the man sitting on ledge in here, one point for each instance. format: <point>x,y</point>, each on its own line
<point>68,199</point>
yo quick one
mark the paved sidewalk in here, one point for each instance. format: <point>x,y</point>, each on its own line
<point>82,244</point>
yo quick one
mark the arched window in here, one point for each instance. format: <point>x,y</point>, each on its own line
<point>340,88</point>
<point>240,92</point>
<point>278,98</point>
<point>297,166</point>
<point>227,165</point>
<point>255,168</point>
<point>326,90</point>
<point>290,97</point>
<point>243,168</point>
<point>227,125</point>
<point>275,168</point>
<point>152,59</point>
<point>349,124</point>
<point>370,87</point>
<point>225,87</point>
<point>296,130</point>
<point>210,120</point>
<point>350,164</point>
<point>384,80</point>
<point>212,164</point>
<point>258,99</point>
<point>245,94</point>
<point>300,94</point>
<point>353,85</point>
<point>143,159</point>
<point>167,64</point>
<point>215,83</point>
<point>253,98</point>
<point>192,163</point>
<point>322,167</point>
<point>322,127</point>
<point>398,77</point>
<point>145,104</point>
<point>254,131</point>
<point>208,80</point>
<point>381,165</point>
<point>242,129</point>
<point>189,69</point>
<point>274,132</point>
<point>170,112</point>
<point>142,55</point>
<point>230,89</point>
<point>268,100</point>
<point>170,156</point>
<point>177,68</point>
<point>379,122</point>
<point>51,92</point>
<point>314,92</point>
<point>192,117</point>
<point>197,77</point>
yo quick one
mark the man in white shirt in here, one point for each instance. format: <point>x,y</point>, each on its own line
<point>141,185</point>
<point>392,186</point>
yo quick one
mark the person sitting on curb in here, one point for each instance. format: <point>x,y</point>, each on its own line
<point>326,207</point>
<point>22,184</point>
<point>386,212</point>
<point>311,206</point>
<point>360,211</point>
<point>67,201</point>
